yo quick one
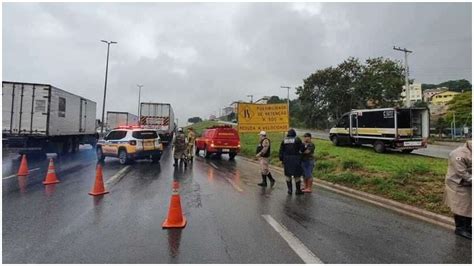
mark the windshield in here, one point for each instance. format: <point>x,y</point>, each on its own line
<point>148,134</point>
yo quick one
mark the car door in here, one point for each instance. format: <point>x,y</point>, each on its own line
<point>112,141</point>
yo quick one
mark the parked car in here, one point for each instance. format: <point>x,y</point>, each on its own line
<point>130,143</point>
<point>222,139</point>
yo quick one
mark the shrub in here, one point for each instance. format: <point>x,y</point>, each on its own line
<point>351,164</point>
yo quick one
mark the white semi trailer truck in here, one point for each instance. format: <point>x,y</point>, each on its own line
<point>45,119</point>
<point>159,116</point>
<point>120,119</point>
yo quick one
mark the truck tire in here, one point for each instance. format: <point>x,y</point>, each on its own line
<point>100,154</point>
<point>206,154</point>
<point>123,157</point>
<point>379,146</point>
<point>232,155</point>
<point>75,146</point>
<point>67,146</point>
<point>407,151</point>
<point>335,141</point>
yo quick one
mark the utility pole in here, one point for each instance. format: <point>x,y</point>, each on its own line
<point>251,98</point>
<point>407,83</point>
<point>105,85</point>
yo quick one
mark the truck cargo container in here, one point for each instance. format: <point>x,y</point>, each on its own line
<point>159,116</point>
<point>118,119</point>
<point>43,118</point>
<point>403,129</point>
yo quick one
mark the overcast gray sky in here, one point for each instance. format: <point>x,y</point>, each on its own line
<point>200,57</point>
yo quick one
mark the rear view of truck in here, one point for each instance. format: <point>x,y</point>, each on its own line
<point>159,116</point>
<point>120,119</point>
<point>42,118</point>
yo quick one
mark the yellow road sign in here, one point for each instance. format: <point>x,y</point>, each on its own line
<point>267,117</point>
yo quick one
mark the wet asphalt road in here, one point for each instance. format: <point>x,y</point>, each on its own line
<point>224,209</point>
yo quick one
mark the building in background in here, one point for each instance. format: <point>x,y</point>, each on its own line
<point>427,94</point>
<point>443,98</point>
<point>227,110</point>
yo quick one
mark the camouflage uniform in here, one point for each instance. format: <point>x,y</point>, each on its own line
<point>191,140</point>
<point>179,144</point>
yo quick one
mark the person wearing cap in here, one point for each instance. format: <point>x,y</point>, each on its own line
<point>191,138</point>
<point>307,162</point>
<point>290,155</point>
<point>263,155</point>
<point>179,145</point>
<point>458,189</point>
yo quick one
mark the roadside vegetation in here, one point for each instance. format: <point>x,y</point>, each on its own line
<point>406,178</point>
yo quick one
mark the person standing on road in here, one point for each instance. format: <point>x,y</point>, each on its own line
<point>179,145</point>
<point>307,162</point>
<point>191,139</point>
<point>290,155</point>
<point>458,189</point>
<point>263,155</point>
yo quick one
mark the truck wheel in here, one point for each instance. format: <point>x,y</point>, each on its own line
<point>75,146</point>
<point>100,154</point>
<point>206,154</point>
<point>407,151</point>
<point>68,146</point>
<point>335,141</point>
<point>232,155</point>
<point>379,146</point>
<point>123,157</point>
<point>155,158</point>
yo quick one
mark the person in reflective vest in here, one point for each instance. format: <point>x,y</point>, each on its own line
<point>263,155</point>
<point>179,145</point>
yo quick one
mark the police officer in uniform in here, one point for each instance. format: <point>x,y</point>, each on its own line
<point>458,189</point>
<point>290,155</point>
<point>263,155</point>
<point>191,139</point>
<point>180,146</point>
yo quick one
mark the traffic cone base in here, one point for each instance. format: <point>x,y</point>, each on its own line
<point>98,193</point>
<point>167,224</point>
<point>23,171</point>
<point>51,177</point>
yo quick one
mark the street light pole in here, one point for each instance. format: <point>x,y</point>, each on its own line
<point>105,85</point>
<point>139,97</point>
<point>251,98</point>
<point>407,83</point>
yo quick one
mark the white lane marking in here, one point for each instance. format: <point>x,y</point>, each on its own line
<point>11,176</point>
<point>234,185</point>
<point>213,165</point>
<point>298,247</point>
<point>118,175</point>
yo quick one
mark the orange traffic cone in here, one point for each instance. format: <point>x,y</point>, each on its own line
<point>175,214</point>
<point>23,171</point>
<point>98,188</point>
<point>51,177</point>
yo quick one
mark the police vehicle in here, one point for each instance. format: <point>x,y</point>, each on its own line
<point>130,143</point>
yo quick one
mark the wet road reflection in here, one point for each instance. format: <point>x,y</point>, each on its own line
<point>174,239</point>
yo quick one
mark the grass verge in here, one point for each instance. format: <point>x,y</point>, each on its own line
<point>406,178</point>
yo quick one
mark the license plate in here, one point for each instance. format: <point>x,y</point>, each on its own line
<point>411,143</point>
<point>149,144</point>
<point>225,150</point>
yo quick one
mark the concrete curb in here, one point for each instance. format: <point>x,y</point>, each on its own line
<point>427,216</point>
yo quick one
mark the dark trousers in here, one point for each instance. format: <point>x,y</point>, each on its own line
<point>463,223</point>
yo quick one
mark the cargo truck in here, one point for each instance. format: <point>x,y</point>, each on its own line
<point>402,129</point>
<point>41,118</point>
<point>159,116</point>
<point>120,119</point>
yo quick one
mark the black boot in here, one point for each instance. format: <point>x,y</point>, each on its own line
<point>175,162</point>
<point>185,162</point>
<point>290,187</point>
<point>264,181</point>
<point>272,180</point>
<point>298,188</point>
<point>462,226</point>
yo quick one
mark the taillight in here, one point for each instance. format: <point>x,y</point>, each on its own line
<point>132,142</point>
<point>212,144</point>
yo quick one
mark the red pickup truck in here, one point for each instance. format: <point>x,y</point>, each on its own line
<point>219,140</point>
